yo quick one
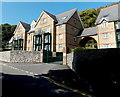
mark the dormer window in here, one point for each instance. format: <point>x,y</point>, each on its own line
<point>65,17</point>
<point>104,16</point>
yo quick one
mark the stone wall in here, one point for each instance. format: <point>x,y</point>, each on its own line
<point>5,56</point>
<point>70,59</point>
<point>20,56</point>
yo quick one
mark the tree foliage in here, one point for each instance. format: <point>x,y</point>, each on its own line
<point>7,33</point>
<point>88,17</point>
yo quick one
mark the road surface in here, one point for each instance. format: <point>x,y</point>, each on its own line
<point>25,68</point>
<point>18,80</point>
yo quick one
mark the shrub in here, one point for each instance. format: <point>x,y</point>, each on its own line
<point>77,48</point>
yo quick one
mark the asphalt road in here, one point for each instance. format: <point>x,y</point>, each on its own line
<point>18,81</point>
<point>25,68</point>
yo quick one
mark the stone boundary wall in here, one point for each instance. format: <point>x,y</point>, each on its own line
<point>20,56</point>
<point>70,59</point>
<point>5,56</point>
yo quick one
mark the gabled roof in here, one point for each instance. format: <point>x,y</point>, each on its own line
<point>64,17</point>
<point>89,31</point>
<point>25,25</point>
<point>61,18</point>
<point>52,16</point>
<point>111,13</point>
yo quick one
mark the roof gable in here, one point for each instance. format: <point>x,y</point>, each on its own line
<point>19,24</point>
<point>25,26</point>
<point>111,13</point>
<point>48,14</point>
<point>60,18</point>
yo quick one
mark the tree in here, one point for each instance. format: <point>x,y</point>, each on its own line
<point>7,33</point>
<point>88,17</point>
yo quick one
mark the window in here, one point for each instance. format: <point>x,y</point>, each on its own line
<point>106,46</point>
<point>105,35</point>
<point>65,17</point>
<point>39,31</point>
<point>60,26</point>
<point>60,36</point>
<point>37,40</point>
<point>44,20</point>
<point>47,41</point>
<point>19,29</point>
<point>21,36</point>
<point>32,26</point>
<point>47,38</point>
<point>16,38</point>
<point>28,41</point>
<point>60,46</point>
<point>75,39</point>
<point>104,25</point>
<point>74,21</point>
<point>118,35</point>
<point>47,47</point>
<point>48,29</point>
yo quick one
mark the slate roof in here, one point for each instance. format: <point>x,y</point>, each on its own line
<point>52,16</point>
<point>63,17</point>
<point>111,13</point>
<point>26,26</point>
<point>89,31</point>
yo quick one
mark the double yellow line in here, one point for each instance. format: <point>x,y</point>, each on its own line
<point>66,87</point>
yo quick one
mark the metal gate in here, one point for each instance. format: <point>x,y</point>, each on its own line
<point>47,57</point>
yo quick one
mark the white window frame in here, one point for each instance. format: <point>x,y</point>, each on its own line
<point>28,41</point>
<point>60,36</point>
<point>19,29</point>
<point>106,45</point>
<point>104,24</point>
<point>105,35</point>
<point>44,20</point>
<point>60,46</point>
<point>60,26</point>
<point>48,29</point>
